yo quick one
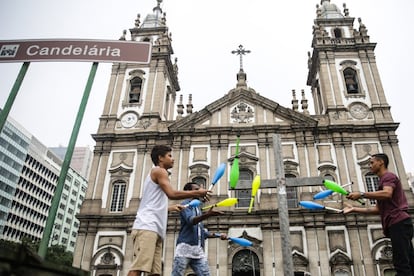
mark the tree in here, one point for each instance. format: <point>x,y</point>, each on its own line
<point>55,253</point>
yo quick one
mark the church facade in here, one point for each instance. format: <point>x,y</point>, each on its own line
<point>352,120</point>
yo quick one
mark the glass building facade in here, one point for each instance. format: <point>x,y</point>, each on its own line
<point>14,145</point>
<point>29,173</point>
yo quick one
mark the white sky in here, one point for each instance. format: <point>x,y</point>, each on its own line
<point>278,34</point>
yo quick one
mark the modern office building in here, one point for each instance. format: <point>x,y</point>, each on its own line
<point>81,159</point>
<point>352,120</point>
<point>29,175</point>
<point>14,145</point>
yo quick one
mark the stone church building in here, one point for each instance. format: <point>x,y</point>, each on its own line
<point>352,120</point>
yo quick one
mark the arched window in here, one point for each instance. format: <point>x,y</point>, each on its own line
<point>351,81</point>
<point>337,33</point>
<point>244,195</point>
<point>118,197</point>
<point>389,272</point>
<point>135,90</point>
<point>341,272</point>
<point>245,262</point>
<point>329,177</point>
<point>199,173</point>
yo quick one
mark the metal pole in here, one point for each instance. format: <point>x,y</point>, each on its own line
<point>65,166</point>
<point>283,208</point>
<point>13,93</point>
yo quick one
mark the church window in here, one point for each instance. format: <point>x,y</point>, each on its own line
<point>389,272</point>
<point>135,90</point>
<point>291,194</point>
<point>329,177</point>
<point>372,182</point>
<point>199,172</point>
<point>245,262</point>
<point>341,272</point>
<point>351,81</point>
<point>245,194</point>
<point>200,180</point>
<point>118,197</point>
<point>337,33</point>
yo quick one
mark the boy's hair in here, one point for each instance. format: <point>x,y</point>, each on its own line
<point>159,150</point>
<point>383,157</point>
<point>189,186</point>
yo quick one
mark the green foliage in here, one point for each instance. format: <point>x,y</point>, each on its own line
<point>29,243</point>
<point>56,254</point>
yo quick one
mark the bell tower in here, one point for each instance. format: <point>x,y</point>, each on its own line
<point>343,73</point>
<point>143,96</point>
<point>140,105</point>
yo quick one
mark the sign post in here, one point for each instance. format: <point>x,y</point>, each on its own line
<point>13,93</point>
<point>280,182</point>
<point>283,207</point>
<point>67,50</point>
<point>65,166</point>
<point>75,50</point>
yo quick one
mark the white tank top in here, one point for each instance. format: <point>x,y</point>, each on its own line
<point>153,210</point>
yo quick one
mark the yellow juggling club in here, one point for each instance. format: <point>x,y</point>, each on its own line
<point>255,187</point>
<point>224,203</point>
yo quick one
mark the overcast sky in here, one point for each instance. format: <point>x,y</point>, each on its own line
<point>278,34</point>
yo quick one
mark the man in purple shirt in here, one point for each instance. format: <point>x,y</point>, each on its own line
<point>392,206</point>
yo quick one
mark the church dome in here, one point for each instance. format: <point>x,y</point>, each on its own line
<point>152,21</point>
<point>329,10</point>
<point>155,19</point>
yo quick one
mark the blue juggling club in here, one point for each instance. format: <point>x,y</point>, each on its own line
<point>193,203</point>
<point>323,194</point>
<point>314,205</point>
<point>217,175</point>
<point>239,241</point>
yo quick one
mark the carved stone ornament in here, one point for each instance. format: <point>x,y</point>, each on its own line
<point>386,252</point>
<point>144,123</point>
<point>108,258</point>
<point>246,261</point>
<point>242,113</point>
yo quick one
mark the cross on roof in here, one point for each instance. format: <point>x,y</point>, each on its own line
<point>241,51</point>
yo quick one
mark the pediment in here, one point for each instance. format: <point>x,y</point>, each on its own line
<point>244,155</point>
<point>120,170</point>
<point>246,236</point>
<point>299,258</point>
<point>243,107</point>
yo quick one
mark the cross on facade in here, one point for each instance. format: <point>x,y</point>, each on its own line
<point>241,51</point>
<point>281,183</point>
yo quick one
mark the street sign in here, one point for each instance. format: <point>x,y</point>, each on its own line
<point>75,50</point>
